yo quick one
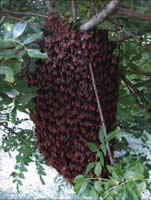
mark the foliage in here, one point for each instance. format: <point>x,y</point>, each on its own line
<point>15,49</point>
<point>127,178</point>
<point>19,49</point>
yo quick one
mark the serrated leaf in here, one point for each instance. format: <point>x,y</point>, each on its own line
<point>89,167</point>
<point>32,38</point>
<point>111,135</point>
<point>35,53</point>
<point>19,29</point>
<point>8,72</point>
<point>98,169</point>
<point>92,147</point>
<point>101,134</point>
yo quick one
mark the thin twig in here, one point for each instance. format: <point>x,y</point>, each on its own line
<point>74,11</point>
<point>51,6</point>
<point>23,13</point>
<point>17,19</point>
<point>132,13</point>
<point>101,113</point>
<point>134,95</point>
<point>140,73</point>
<point>137,92</point>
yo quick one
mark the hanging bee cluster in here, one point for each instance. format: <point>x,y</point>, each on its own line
<point>67,116</point>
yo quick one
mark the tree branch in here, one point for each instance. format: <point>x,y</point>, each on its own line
<point>51,6</point>
<point>101,113</point>
<point>137,92</point>
<point>100,17</point>
<point>23,13</point>
<point>74,11</point>
<point>132,13</point>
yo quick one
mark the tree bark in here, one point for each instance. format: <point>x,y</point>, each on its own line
<point>100,17</point>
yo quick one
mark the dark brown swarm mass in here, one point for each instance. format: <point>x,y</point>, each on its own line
<point>67,115</point>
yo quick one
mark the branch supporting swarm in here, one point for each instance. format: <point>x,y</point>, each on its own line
<point>100,17</point>
<point>101,113</point>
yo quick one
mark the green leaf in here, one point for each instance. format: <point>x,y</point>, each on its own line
<point>111,135</point>
<point>21,175</point>
<point>131,194</point>
<point>79,178</point>
<point>92,147</point>
<point>101,134</point>
<point>35,53</point>
<point>98,169</point>
<point>83,188</point>
<point>103,148</point>
<point>42,180</point>
<point>19,182</point>
<point>23,168</point>
<point>89,167</point>
<point>6,44</point>
<point>19,29</point>
<point>32,38</point>
<point>97,186</point>
<point>100,155</point>
<point>8,72</point>
<point>93,193</point>
<point>24,99</point>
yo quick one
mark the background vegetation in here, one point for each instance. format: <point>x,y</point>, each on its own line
<point>21,27</point>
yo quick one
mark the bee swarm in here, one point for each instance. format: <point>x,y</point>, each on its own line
<point>67,116</point>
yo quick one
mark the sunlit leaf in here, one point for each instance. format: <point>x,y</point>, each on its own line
<point>33,37</point>
<point>8,72</point>
<point>98,169</point>
<point>35,53</point>
<point>19,29</point>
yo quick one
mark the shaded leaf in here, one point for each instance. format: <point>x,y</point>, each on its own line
<point>89,167</point>
<point>92,147</point>
<point>101,134</point>
<point>103,148</point>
